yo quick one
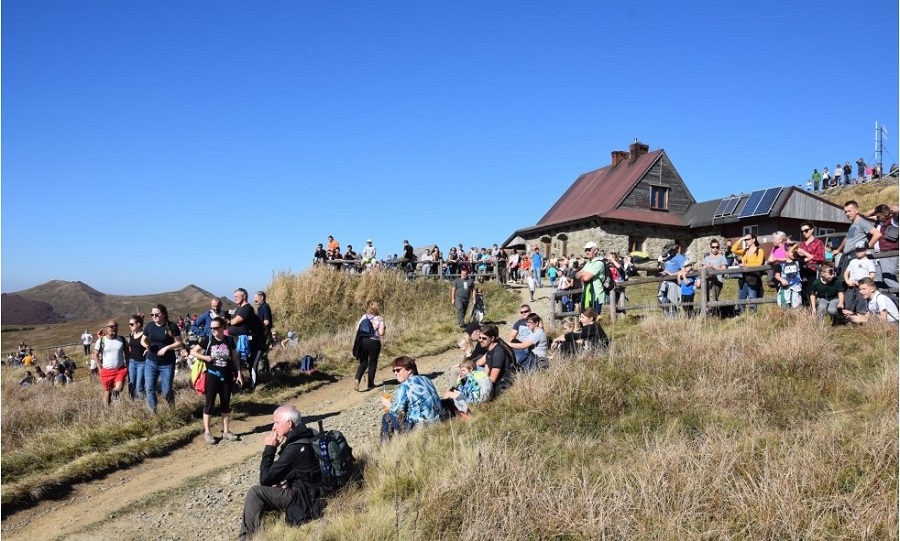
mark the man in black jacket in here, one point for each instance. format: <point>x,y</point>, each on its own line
<point>290,483</point>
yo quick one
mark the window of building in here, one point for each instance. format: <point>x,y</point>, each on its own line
<point>635,243</point>
<point>751,230</point>
<point>659,198</point>
<point>822,231</point>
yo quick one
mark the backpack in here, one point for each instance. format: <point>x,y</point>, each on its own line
<point>335,458</point>
<point>607,281</point>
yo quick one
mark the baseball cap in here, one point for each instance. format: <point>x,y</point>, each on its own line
<point>861,245</point>
<point>669,247</point>
<point>369,241</point>
<point>590,246</point>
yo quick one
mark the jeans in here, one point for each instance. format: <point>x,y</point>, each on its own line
<point>823,306</point>
<point>166,375</point>
<point>136,378</point>
<point>390,424</point>
<point>537,276</point>
<point>886,271</point>
<point>747,292</point>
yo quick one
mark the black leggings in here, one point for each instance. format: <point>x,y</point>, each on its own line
<point>371,351</point>
<point>217,387</point>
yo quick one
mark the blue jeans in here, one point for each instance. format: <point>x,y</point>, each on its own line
<point>537,276</point>
<point>166,375</point>
<point>747,292</point>
<point>136,378</point>
<point>390,424</point>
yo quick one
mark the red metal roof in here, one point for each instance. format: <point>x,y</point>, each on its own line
<point>599,192</point>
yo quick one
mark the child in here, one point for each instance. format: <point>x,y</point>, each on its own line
<point>478,307</point>
<point>789,283</point>
<point>531,284</point>
<point>857,269</point>
<point>687,288</point>
<point>565,344</point>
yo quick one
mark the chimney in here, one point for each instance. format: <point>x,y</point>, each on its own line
<point>637,150</point>
<point>618,156</point>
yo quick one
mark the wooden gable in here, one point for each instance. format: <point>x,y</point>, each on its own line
<point>645,193</point>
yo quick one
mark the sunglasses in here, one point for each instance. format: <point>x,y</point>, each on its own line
<point>397,370</point>
<point>524,311</point>
<point>714,247</point>
<point>807,230</point>
<point>155,315</point>
<point>484,338</point>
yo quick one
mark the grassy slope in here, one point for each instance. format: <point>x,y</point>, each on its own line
<point>59,435</point>
<point>768,427</point>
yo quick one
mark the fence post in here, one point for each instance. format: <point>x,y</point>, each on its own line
<point>612,304</point>
<point>704,292</point>
<point>553,308</point>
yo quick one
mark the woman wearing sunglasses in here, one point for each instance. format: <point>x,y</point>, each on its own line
<point>223,366</point>
<point>416,399</point>
<point>162,339</point>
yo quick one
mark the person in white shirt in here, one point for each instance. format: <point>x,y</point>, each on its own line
<point>881,307</point>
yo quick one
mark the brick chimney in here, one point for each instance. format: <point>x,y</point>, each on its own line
<point>618,156</point>
<point>637,149</point>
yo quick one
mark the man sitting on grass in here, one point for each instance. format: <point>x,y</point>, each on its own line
<point>290,483</point>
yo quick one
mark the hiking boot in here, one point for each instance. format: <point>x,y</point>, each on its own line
<point>356,385</point>
<point>230,436</point>
<point>209,438</point>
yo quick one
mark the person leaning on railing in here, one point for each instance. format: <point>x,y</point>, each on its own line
<point>748,249</point>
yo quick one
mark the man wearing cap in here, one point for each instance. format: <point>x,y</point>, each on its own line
<point>368,255</point>
<point>591,275</point>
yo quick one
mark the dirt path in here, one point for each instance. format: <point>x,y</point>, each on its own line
<point>156,499</point>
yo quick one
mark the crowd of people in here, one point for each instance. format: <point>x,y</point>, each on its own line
<point>844,282</point>
<point>842,175</point>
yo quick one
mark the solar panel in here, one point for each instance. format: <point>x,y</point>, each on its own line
<point>768,201</point>
<point>721,208</point>
<point>732,205</point>
<point>726,207</point>
<point>751,204</point>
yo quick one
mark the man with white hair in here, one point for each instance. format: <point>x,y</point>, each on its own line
<point>290,482</point>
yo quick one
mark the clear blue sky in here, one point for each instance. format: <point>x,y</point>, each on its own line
<point>150,145</point>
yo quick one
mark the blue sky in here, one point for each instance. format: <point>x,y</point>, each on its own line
<point>150,145</point>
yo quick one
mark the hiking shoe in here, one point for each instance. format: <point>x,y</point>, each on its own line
<point>230,436</point>
<point>209,438</point>
<point>356,385</point>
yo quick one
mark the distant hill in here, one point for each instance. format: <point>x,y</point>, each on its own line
<point>21,311</point>
<point>75,301</point>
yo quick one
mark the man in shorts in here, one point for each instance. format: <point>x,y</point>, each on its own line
<point>110,353</point>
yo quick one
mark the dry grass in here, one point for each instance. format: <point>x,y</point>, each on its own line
<point>767,428</point>
<point>323,306</point>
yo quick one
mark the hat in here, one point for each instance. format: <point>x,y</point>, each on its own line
<point>669,247</point>
<point>861,245</point>
<point>369,241</point>
<point>471,327</point>
<point>688,264</point>
<point>590,246</point>
<point>292,334</point>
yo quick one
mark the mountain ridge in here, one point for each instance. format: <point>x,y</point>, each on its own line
<point>76,301</point>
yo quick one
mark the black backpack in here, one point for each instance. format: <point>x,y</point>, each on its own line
<point>607,281</point>
<point>335,458</point>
